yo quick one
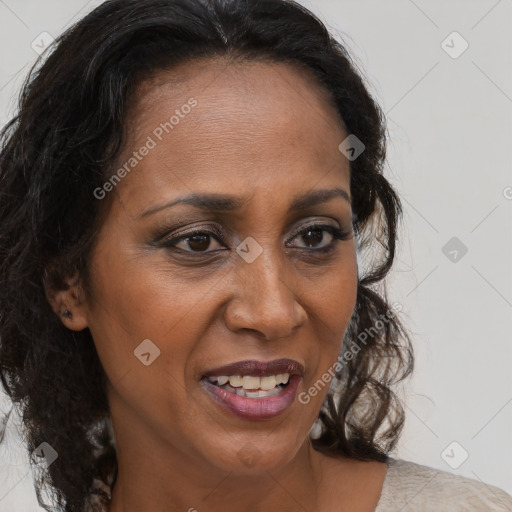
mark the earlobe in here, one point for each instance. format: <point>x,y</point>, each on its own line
<point>68,304</point>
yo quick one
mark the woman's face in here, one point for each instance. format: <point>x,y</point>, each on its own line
<point>239,153</point>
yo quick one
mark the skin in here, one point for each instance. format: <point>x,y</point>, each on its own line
<point>266,132</point>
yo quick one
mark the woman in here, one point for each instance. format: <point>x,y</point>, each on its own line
<point>194,226</point>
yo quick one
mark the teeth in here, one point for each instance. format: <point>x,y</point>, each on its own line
<point>262,394</point>
<point>235,381</point>
<point>268,382</point>
<point>282,378</point>
<point>258,393</point>
<point>249,382</point>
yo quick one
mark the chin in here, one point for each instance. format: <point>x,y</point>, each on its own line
<point>251,458</point>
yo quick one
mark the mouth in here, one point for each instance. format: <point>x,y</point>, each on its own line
<point>254,389</point>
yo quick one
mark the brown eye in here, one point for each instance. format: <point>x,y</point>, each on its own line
<point>197,241</point>
<point>314,235</point>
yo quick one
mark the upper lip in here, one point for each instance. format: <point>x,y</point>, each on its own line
<point>258,368</point>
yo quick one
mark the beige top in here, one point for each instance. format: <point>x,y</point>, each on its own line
<point>410,487</point>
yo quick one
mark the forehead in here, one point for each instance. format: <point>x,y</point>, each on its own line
<point>236,79</point>
<point>253,122</point>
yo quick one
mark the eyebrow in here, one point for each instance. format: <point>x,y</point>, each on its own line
<point>220,202</point>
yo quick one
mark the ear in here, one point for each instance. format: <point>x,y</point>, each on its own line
<point>69,304</point>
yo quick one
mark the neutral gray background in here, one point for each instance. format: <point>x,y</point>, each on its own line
<point>450,125</point>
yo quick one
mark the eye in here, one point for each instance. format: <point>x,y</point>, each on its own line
<point>314,235</point>
<point>198,240</point>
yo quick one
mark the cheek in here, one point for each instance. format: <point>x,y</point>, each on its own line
<point>147,313</point>
<point>331,296</point>
<point>333,303</point>
<point>136,301</point>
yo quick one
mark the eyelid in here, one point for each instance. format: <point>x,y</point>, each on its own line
<point>167,234</point>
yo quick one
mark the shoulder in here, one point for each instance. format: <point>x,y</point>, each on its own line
<point>411,487</point>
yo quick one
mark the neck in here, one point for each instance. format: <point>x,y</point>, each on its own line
<point>152,483</point>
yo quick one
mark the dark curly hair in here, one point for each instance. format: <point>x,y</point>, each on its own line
<point>62,145</point>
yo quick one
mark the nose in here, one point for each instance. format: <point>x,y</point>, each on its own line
<point>263,299</point>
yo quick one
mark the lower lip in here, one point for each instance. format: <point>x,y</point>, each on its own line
<point>254,408</point>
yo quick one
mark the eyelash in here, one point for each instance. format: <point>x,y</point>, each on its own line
<point>337,234</point>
